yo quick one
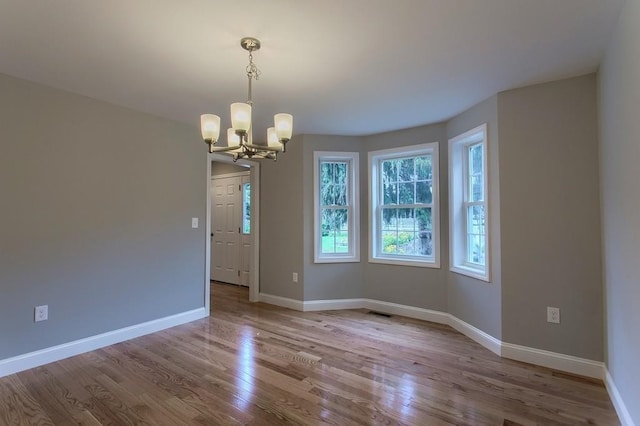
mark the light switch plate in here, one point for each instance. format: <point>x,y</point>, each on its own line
<point>194,222</point>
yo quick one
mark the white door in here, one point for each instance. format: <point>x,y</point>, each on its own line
<point>226,209</point>
<point>245,236</point>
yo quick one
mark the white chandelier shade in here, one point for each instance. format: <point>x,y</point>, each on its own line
<point>210,126</point>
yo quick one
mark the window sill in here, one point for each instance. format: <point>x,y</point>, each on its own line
<point>478,274</point>
<point>350,259</point>
<point>405,262</point>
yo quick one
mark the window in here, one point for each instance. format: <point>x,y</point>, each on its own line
<point>404,214</point>
<point>336,208</point>
<point>468,203</point>
<point>246,208</point>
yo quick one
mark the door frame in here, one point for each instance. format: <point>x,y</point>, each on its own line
<point>254,276</point>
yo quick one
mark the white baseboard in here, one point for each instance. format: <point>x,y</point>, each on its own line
<point>618,403</point>
<point>557,361</point>
<point>333,305</point>
<point>66,350</point>
<point>407,311</point>
<point>477,335</point>
<point>284,302</point>
<point>376,305</point>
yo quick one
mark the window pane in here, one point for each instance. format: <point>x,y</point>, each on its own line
<point>334,219</point>
<point>475,154</point>
<point>476,189</point>
<point>246,208</point>
<point>475,219</point>
<point>406,220</point>
<point>407,231</point>
<point>390,193</point>
<point>424,243</point>
<point>423,167</point>
<point>326,172</point>
<point>407,171</point>
<point>389,242</point>
<point>389,219</point>
<point>340,173</point>
<point>476,249</point>
<point>407,195</point>
<point>475,183</point>
<point>423,219</point>
<point>389,171</point>
<point>335,231</point>
<point>333,183</point>
<point>340,195</point>
<point>423,193</point>
<point>326,195</point>
<point>476,235</point>
<point>326,187</point>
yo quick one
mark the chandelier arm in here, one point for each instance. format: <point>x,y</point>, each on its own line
<point>259,148</point>
<point>213,149</point>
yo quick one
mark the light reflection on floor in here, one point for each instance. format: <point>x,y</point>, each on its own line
<point>245,367</point>
<point>408,389</point>
<point>399,397</point>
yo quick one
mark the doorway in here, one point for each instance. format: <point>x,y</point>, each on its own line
<point>248,220</point>
<point>230,225</point>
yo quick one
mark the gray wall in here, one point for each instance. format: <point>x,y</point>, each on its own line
<point>619,155</point>
<point>281,223</point>
<point>329,280</point>
<point>475,301</point>
<point>96,214</point>
<point>550,217</point>
<point>220,168</point>
<point>408,285</point>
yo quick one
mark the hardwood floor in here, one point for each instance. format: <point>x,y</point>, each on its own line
<point>258,364</point>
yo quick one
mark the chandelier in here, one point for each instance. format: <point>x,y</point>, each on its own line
<point>239,136</point>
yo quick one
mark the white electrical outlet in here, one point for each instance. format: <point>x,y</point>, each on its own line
<point>295,277</point>
<point>194,222</point>
<point>553,315</point>
<point>41,313</point>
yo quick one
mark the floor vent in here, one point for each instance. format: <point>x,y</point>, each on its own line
<point>380,314</point>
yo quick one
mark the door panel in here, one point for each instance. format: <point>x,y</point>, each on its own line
<point>226,244</point>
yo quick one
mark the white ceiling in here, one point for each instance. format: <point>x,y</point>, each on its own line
<point>349,67</point>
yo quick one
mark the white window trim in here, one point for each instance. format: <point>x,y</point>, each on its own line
<point>353,194</point>
<point>457,225</point>
<point>374,228</point>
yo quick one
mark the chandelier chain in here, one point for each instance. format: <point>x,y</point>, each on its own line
<point>252,69</point>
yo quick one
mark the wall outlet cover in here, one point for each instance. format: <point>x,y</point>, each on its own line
<point>41,313</point>
<point>553,315</point>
